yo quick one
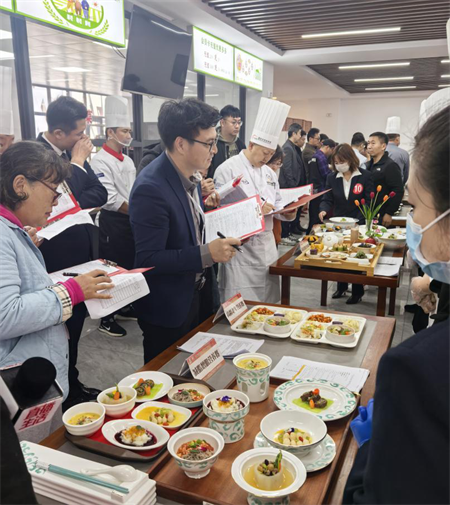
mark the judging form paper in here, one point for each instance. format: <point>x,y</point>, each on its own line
<point>291,368</point>
<point>240,220</point>
<point>291,195</point>
<point>229,347</point>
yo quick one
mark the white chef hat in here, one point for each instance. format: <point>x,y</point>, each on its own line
<point>116,112</point>
<point>6,114</point>
<point>269,122</point>
<point>393,125</point>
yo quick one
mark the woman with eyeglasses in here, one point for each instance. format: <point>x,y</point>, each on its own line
<point>32,307</point>
<point>403,434</point>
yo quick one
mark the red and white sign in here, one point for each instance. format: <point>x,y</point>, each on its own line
<point>37,415</point>
<point>233,309</point>
<point>358,189</point>
<point>205,362</point>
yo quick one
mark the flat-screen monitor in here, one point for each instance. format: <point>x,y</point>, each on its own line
<point>157,56</point>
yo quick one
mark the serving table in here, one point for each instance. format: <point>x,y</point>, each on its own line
<point>323,486</point>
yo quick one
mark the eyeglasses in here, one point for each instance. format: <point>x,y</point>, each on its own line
<point>208,144</point>
<point>235,123</point>
<point>56,196</point>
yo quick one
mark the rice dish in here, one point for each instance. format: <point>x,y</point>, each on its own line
<point>226,405</point>
<point>136,436</point>
<point>195,450</point>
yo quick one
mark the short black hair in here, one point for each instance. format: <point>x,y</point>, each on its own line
<point>383,138</point>
<point>277,155</point>
<point>294,128</point>
<point>329,143</point>
<point>312,133</point>
<point>323,136</point>
<point>63,114</point>
<point>230,111</point>
<point>114,129</point>
<point>393,136</point>
<point>185,118</point>
<point>35,162</point>
<point>358,139</point>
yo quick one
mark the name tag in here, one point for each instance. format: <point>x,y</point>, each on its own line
<point>205,362</point>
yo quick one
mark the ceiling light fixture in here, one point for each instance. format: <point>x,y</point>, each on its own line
<point>212,95</point>
<point>444,85</point>
<point>445,76</point>
<point>385,79</point>
<point>391,87</point>
<point>376,65</point>
<point>445,61</point>
<point>351,32</point>
<point>71,70</point>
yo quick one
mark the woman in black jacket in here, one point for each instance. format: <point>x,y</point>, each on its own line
<point>347,183</point>
<point>404,445</point>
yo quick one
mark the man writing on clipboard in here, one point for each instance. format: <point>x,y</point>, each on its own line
<point>248,273</point>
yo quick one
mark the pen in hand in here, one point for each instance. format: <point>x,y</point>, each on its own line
<point>221,235</point>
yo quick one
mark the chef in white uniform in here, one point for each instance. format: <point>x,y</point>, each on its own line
<point>6,114</point>
<point>248,273</point>
<point>116,171</point>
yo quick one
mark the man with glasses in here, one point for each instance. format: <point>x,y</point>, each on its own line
<point>168,222</point>
<point>66,119</point>
<point>313,143</point>
<point>228,142</point>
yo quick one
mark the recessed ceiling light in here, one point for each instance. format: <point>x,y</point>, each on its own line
<point>71,69</point>
<point>445,61</point>
<point>446,76</point>
<point>351,32</point>
<point>390,87</point>
<point>212,95</point>
<point>444,85</point>
<point>4,35</point>
<point>376,65</point>
<point>6,55</point>
<point>385,79</point>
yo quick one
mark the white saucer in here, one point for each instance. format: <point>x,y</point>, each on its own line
<point>319,457</point>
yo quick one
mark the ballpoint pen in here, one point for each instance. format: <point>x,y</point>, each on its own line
<point>221,235</point>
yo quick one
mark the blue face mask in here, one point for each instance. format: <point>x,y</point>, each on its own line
<point>439,270</point>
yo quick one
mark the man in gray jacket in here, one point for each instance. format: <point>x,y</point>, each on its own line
<point>399,155</point>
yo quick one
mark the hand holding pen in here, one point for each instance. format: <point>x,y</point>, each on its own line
<point>221,235</point>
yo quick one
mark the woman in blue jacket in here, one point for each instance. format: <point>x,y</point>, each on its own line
<point>347,183</point>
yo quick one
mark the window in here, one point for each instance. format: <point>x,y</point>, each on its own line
<point>40,99</point>
<point>220,93</point>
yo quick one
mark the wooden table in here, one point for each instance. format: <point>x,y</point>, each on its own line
<point>324,486</point>
<point>285,268</point>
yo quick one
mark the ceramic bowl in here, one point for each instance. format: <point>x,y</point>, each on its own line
<point>277,330</point>
<point>229,424</point>
<point>87,429</point>
<point>391,243</point>
<point>340,339</point>
<point>253,457</point>
<point>120,409</point>
<point>284,419</point>
<point>196,469</point>
<point>201,388</point>
<point>254,383</point>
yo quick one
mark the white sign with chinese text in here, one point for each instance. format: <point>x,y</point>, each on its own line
<point>204,363</point>
<point>212,56</point>
<point>248,69</point>
<point>99,19</point>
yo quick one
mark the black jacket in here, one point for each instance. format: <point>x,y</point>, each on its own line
<point>75,245</point>
<point>293,171</point>
<point>222,155</point>
<point>407,458</point>
<point>308,152</point>
<point>387,174</point>
<point>150,153</point>
<point>335,202</point>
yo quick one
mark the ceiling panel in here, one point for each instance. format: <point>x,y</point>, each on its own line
<point>283,22</point>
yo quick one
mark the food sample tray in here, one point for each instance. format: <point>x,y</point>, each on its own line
<point>219,488</point>
<point>258,326</point>
<point>305,260</point>
<point>335,318</point>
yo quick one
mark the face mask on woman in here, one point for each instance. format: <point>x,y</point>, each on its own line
<point>439,270</point>
<point>342,167</point>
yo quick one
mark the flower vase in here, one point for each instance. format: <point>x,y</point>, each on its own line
<point>369,228</point>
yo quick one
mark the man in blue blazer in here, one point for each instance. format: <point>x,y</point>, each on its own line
<point>167,219</point>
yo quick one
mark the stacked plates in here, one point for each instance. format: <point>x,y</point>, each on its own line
<point>73,492</point>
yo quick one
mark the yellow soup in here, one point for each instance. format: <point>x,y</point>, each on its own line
<point>253,363</point>
<point>249,477</point>
<point>148,414</point>
<point>83,418</point>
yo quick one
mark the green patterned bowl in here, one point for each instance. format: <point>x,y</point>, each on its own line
<point>254,383</point>
<point>229,424</point>
<point>196,469</point>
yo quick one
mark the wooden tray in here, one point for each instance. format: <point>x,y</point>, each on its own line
<point>307,261</point>
<point>121,454</point>
<point>219,488</point>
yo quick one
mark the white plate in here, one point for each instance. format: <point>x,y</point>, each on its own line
<point>323,340</point>
<point>260,330</point>
<point>110,429</point>
<point>344,402</point>
<point>347,220</point>
<point>162,405</point>
<point>319,457</point>
<point>156,377</point>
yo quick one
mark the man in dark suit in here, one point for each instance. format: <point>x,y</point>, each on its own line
<point>167,219</point>
<point>66,120</point>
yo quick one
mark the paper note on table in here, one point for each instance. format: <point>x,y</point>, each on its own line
<point>241,220</point>
<point>84,268</point>
<point>290,368</point>
<point>127,289</point>
<point>290,195</point>
<point>57,227</point>
<point>229,346</point>
<point>388,266</point>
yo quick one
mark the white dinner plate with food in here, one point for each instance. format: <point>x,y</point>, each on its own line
<point>142,380</point>
<point>313,328</point>
<point>344,221</point>
<point>163,414</point>
<point>189,395</point>
<point>340,401</point>
<point>135,435</point>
